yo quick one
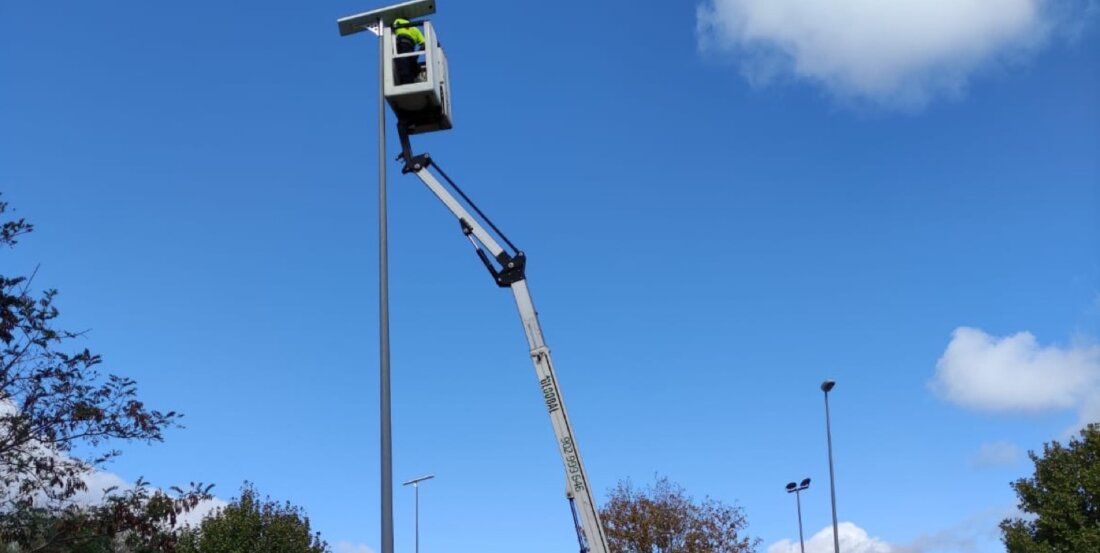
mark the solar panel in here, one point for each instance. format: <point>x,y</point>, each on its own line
<point>364,21</point>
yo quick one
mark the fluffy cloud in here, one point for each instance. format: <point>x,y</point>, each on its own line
<point>900,53</point>
<point>194,516</point>
<point>996,454</point>
<point>977,533</point>
<point>853,539</point>
<point>1015,373</point>
<point>347,547</point>
<point>99,482</point>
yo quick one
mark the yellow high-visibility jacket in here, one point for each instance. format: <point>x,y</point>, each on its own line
<point>411,32</point>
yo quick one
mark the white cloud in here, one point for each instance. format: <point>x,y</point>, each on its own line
<point>99,482</point>
<point>348,547</point>
<point>977,533</point>
<point>996,454</point>
<point>194,516</point>
<point>1015,373</point>
<point>900,53</point>
<point>853,539</point>
<point>1089,411</point>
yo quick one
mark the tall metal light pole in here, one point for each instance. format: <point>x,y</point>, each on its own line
<point>826,387</point>
<point>415,483</point>
<point>385,430</point>
<point>797,490</point>
<point>375,21</point>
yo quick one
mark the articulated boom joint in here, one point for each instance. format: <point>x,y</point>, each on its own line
<point>414,163</point>
<point>515,269</point>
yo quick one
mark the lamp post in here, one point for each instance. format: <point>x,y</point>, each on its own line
<point>375,21</point>
<point>415,483</point>
<point>826,387</point>
<point>797,490</point>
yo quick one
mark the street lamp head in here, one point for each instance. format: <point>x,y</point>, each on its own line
<point>805,484</point>
<point>364,21</point>
<point>791,487</point>
<point>416,481</point>
<point>827,386</point>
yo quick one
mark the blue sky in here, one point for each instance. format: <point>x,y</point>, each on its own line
<point>719,213</point>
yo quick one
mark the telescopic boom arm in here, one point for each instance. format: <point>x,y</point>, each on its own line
<point>508,269</point>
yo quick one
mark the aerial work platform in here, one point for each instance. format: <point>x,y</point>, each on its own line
<point>423,104</point>
<point>416,85</point>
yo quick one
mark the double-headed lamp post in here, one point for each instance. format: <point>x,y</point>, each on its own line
<point>415,483</point>
<point>797,490</point>
<point>826,387</point>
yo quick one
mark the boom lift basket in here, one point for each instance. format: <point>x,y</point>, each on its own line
<point>424,104</point>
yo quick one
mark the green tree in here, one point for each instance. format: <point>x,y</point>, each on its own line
<point>252,525</point>
<point>663,519</point>
<point>138,520</point>
<point>1062,499</point>
<point>53,403</point>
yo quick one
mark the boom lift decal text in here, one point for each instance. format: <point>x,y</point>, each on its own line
<point>572,464</point>
<point>550,394</point>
